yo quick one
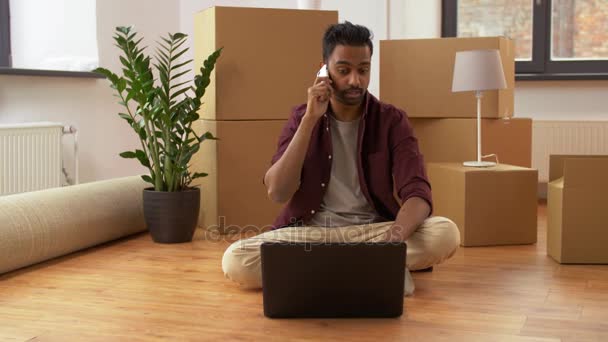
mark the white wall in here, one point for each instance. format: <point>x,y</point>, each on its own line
<point>562,100</point>
<point>88,103</point>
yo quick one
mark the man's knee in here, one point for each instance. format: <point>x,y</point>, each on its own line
<point>242,265</point>
<point>446,237</point>
<point>451,236</point>
<point>436,241</point>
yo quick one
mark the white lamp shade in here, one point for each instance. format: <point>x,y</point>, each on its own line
<point>478,70</point>
<point>309,4</point>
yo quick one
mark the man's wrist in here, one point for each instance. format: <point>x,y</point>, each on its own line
<point>401,232</point>
<point>309,120</point>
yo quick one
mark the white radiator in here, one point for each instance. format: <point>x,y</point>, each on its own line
<point>566,137</point>
<point>30,157</point>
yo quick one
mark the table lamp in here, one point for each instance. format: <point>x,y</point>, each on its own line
<point>478,70</point>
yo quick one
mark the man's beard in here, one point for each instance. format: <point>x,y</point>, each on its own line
<point>351,96</point>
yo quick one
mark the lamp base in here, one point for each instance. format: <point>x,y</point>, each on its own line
<point>479,163</point>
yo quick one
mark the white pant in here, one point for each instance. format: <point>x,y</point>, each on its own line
<point>436,240</point>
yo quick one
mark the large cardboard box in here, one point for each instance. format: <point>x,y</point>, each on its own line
<point>269,60</point>
<point>491,206</point>
<point>576,209</point>
<point>416,76</point>
<point>455,140</point>
<point>233,197</point>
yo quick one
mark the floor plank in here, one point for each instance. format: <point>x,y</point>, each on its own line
<point>136,290</point>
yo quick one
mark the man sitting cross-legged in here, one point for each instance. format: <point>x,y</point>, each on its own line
<point>339,159</point>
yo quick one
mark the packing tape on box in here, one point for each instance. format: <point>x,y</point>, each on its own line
<point>41,225</point>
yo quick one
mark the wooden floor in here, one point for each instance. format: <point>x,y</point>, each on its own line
<point>137,290</point>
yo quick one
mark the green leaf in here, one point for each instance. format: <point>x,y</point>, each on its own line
<point>143,158</point>
<point>178,55</point>
<point>162,57</point>
<point>208,136</point>
<point>129,96</point>
<point>124,29</point>
<point>179,92</point>
<point>148,179</point>
<point>107,73</point>
<point>120,42</point>
<point>177,44</point>
<point>121,85</point>
<point>182,64</point>
<point>179,74</point>
<point>167,40</point>
<point>142,133</point>
<point>124,62</point>
<point>128,155</point>
<point>199,175</point>
<point>161,68</point>
<point>126,117</point>
<point>178,36</point>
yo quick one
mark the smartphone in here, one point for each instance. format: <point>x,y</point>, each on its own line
<point>323,71</point>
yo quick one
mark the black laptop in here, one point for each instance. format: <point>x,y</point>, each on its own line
<point>333,280</point>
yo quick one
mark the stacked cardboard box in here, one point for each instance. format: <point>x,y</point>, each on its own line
<point>576,211</point>
<point>416,76</point>
<point>491,206</point>
<point>269,59</point>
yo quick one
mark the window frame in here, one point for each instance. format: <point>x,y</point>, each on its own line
<point>5,34</point>
<point>541,67</point>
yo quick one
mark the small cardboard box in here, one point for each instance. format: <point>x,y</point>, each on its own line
<point>270,58</point>
<point>576,209</point>
<point>455,140</point>
<point>491,206</point>
<point>233,197</point>
<point>416,76</point>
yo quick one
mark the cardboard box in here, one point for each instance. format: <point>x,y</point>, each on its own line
<point>455,140</point>
<point>270,58</point>
<point>416,76</point>
<point>491,206</point>
<point>576,209</point>
<point>233,197</point>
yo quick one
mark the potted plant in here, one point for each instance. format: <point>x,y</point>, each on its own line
<point>161,112</point>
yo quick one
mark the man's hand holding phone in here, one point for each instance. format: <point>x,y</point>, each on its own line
<point>319,95</point>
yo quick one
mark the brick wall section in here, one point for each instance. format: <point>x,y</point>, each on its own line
<point>591,28</point>
<point>510,18</point>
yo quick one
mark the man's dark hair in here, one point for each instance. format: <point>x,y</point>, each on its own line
<point>346,33</point>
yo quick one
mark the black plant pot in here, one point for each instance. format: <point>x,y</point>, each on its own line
<point>171,217</point>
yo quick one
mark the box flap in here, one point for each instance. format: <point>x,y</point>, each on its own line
<point>556,163</point>
<point>557,184</point>
<point>555,219</point>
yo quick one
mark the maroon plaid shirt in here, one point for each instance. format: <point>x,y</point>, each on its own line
<point>387,150</point>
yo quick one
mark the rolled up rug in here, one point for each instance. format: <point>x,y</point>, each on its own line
<point>41,225</point>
